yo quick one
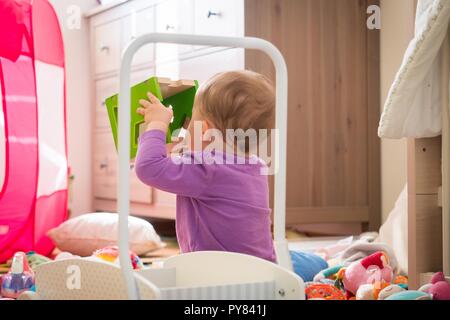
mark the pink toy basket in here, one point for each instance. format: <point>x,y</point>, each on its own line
<point>33,197</point>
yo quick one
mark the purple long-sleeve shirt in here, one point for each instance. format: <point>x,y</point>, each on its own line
<point>221,207</point>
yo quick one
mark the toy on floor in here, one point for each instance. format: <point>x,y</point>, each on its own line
<point>438,287</point>
<point>329,273</point>
<point>307,264</point>
<point>389,291</point>
<point>401,281</point>
<point>111,254</point>
<point>372,269</point>
<point>178,94</point>
<point>322,291</point>
<point>370,291</point>
<point>19,279</point>
<point>35,259</point>
<point>410,295</point>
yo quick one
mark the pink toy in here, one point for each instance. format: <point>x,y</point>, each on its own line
<point>438,287</point>
<point>33,197</point>
<point>372,269</point>
<point>19,279</point>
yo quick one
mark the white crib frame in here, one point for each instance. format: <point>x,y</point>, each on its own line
<point>123,196</point>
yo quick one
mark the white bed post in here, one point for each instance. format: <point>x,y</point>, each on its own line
<point>123,205</point>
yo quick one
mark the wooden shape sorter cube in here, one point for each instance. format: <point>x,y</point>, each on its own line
<point>179,94</point>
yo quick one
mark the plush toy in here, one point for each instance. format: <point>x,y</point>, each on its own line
<point>438,287</point>
<point>320,291</point>
<point>401,280</point>
<point>371,269</point>
<point>329,273</point>
<point>111,254</point>
<point>410,295</point>
<point>19,279</point>
<point>389,291</point>
<point>370,291</point>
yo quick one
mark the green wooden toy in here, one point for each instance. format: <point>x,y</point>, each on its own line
<point>179,94</point>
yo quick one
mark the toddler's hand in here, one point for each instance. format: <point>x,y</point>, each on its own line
<point>156,115</point>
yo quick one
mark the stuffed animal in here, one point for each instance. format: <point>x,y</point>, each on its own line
<point>370,291</point>
<point>389,291</point>
<point>329,273</point>
<point>410,295</point>
<point>371,269</point>
<point>438,287</point>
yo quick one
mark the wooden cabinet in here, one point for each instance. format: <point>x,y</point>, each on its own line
<point>111,30</point>
<point>333,155</point>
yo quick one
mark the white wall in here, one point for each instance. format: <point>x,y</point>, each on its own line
<point>79,113</point>
<point>397,29</point>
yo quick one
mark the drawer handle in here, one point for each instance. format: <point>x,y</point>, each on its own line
<point>213,13</point>
<point>169,27</point>
<point>103,165</point>
<point>104,49</point>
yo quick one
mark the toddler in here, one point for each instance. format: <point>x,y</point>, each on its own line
<point>221,204</point>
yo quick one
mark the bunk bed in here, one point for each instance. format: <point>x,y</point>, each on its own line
<point>417,108</point>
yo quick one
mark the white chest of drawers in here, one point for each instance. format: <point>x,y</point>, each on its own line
<point>111,28</point>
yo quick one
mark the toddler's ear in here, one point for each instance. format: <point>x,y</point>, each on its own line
<point>206,125</point>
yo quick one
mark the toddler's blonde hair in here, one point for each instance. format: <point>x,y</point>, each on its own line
<point>237,100</point>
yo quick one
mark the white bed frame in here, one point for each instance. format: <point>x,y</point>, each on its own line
<point>202,275</point>
<point>429,194</point>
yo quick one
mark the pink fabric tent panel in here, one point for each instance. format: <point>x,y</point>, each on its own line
<point>33,198</point>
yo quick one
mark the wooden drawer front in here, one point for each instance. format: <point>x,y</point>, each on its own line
<point>104,89</point>
<point>137,24</point>
<point>105,172</point>
<point>218,17</point>
<point>174,16</point>
<point>107,46</point>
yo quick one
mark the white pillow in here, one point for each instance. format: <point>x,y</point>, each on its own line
<point>86,233</point>
<point>394,231</point>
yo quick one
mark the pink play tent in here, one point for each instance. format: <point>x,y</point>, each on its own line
<point>33,197</point>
